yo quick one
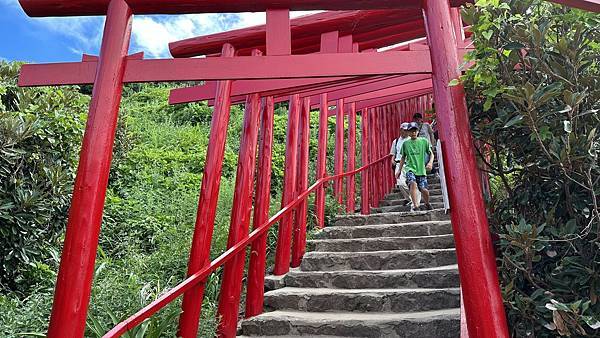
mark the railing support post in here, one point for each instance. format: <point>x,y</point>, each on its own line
<point>74,282</point>
<point>233,272</point>
<point>299,241</point>
<point>475,254</point>
<point>351,180</point>
<point>207,204</point>
<point>284,239</point>
<point>258,253</point>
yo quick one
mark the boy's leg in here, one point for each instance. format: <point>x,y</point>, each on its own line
<point>404,190</point>
<point>423,188</point>
<point>411,181</point>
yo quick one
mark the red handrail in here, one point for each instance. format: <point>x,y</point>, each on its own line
<point>197,277</point>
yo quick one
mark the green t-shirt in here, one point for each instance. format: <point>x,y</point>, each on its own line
<point>413,152</point>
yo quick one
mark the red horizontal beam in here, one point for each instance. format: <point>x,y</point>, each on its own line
<point>232,252</point>
<point>390,99</point>
<point>236,68</point>
<point>369,87</point>
<point>42,8</point>
<point>305,31</point>
<point>410,87</point>
<point>242,88</point>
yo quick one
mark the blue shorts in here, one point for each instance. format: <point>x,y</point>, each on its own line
<point>420,180</point>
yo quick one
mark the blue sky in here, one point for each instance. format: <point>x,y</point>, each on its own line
<point>65,39</point>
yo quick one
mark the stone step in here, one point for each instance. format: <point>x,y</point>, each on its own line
<point>382,243</point>
<point>429,324</point>
<point>362,300</point>
<point>390,218</point>
<point>423,228</point>
<point>401,201</point>
<point>438,277</point>
<point>431,186</point>
<point>377,260</point>
<point>398,196</point>
<point>400,208</point>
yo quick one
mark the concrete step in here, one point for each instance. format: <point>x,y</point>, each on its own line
<point>423,228</point>
<point>377,260</point>
<point>382,243</point>
<point>399,196</point>
<point>390,218</point>
<point>403,208</point>
<point>401,201</point>
<point>432,186</point>
<point>362,300</point>
<point>438,277</point>
<point>429,324</point>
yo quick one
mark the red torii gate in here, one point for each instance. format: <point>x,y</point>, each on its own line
<point>483,303</point>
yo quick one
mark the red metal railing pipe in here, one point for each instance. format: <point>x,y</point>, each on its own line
<point>74,282</point>
<point>191,281</point>
<point>351,180</point>
<point>233,272</point>
<point>475,254</point>
<point>299,240</point>
<point>258,252</point>
<point>322,160</point>
<point>207,204</point>
<point>284,238</point>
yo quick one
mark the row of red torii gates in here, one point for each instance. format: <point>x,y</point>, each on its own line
<point>318,61</point>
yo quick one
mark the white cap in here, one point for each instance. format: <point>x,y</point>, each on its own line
<point>404,125</point>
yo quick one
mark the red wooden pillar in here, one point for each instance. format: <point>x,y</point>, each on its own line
<point>233,272</point>
<point>74,282</point>
<point>375,177</point>
<point>207,204</point>
<point>365,206</point>
<point>383,150</point>
<point>385,134</point>
<point>339,150</point>
<point>475,254</point>
<point>284,239</point>
<point>299,241</point>
<point>329,44</point>
<point>351,180</point>
<point>322,161</point>
<point>258,253</point>
<point>377,147</point>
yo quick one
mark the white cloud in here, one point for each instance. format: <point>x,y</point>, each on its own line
<point>152,34</point>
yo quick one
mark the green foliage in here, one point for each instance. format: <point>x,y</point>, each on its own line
<point>534,97</point>
<point>40,130</point>
<point>151,202</point>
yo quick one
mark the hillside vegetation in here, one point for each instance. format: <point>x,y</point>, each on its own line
<point>150,205</point>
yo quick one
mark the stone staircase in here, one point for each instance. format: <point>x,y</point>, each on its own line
<point>388,274</point>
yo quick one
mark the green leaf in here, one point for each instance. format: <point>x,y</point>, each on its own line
<point>453,83</point>
<point>515,120</point>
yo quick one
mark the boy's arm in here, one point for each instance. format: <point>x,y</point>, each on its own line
<point>431,157</point>
<point>401,163</point>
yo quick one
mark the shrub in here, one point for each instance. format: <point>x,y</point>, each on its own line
<point>534,100</point>
<point>40,132</point>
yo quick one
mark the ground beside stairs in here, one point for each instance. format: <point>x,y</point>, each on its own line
<point>389,274</point>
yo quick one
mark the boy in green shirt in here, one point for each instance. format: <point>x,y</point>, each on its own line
<point>413,152</point>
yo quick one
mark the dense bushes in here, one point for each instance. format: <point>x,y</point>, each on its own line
<point>40,132</point>
<point>534,96</point>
